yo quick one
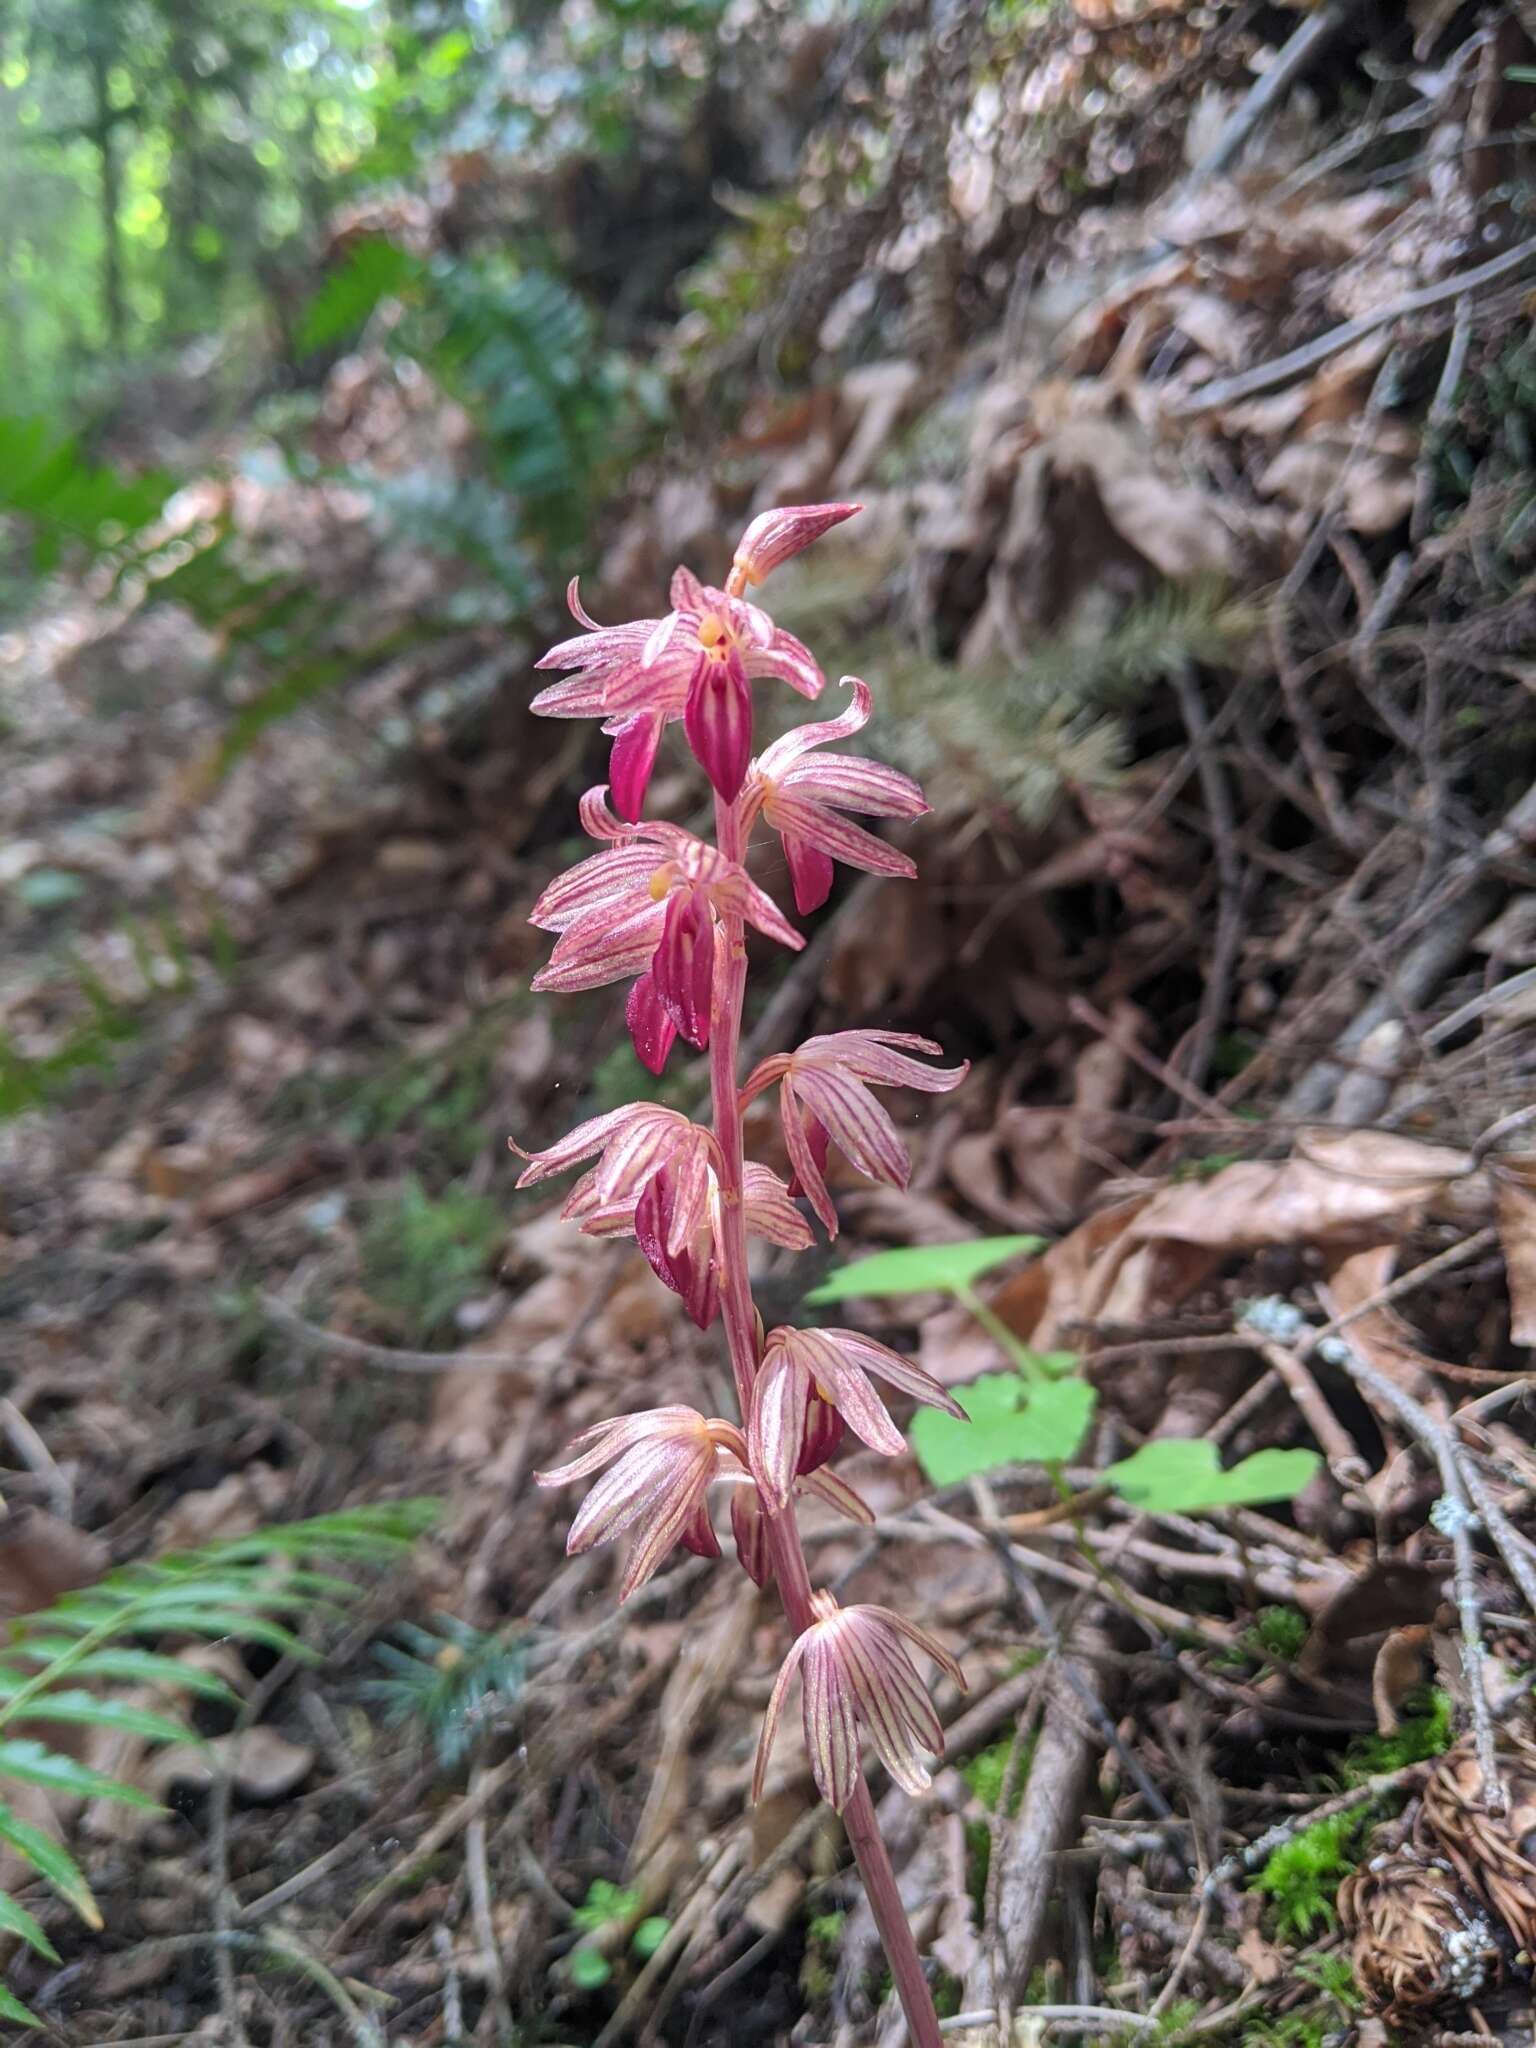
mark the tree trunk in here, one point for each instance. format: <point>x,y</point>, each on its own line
<point>105,137</point>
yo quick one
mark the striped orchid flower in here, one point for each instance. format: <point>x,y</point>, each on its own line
<point>825,1099</point>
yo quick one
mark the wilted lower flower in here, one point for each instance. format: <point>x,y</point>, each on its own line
<point>803,1369</point>
<point>824,1095</point>
<point>800,795</point>
<point>855,1673</point>
<point>666,1460</point>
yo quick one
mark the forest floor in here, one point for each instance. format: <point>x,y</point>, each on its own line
<point>1216,552</point>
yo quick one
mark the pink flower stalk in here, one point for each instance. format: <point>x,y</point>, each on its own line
<point>662,908</point>
<point>800,799</point>
<point>855,1674</point>
<point>695,664</point>
<point>824,1096</point>
<point>807,1369</point>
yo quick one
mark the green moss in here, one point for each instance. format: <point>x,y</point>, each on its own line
<point>423,1254</point>
<point>1302,1877</point>
<point>1279,1632</point>
<point>1426,1731</point>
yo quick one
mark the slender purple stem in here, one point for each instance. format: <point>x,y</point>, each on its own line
<point>742,1330</point>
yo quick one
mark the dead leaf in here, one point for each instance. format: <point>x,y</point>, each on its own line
<point>1514,1179</point>
<point>1399,1667</point>
<point>42,1558</point>
<point>1264,1962</point>
<point>262,1765</point>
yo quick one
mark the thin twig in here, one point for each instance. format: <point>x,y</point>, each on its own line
<point>1298,362</point>
<point>386,1354</point>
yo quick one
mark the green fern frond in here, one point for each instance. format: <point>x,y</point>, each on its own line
<point>233,1589</point>
<point>47,480</point>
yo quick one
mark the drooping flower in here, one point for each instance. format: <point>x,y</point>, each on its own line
<point>696,664</point>
<point>856,1674</point>
<point>663,1461</point>
<point>804,1369</point>
<point>824,1098</point>
<point>635,1145</point>
<point>800,795</point>
<point>656,1181</point>
<point>775,535</point>
<point>647,906</point>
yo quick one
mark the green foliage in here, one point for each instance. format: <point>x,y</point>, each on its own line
<point>1179,1476</point>
<point>917,1269</point>
<point>987,1771</point>
<point>375,269</point>
<point>1013,1421</point>
<point>610,1905</point>
<point>248,1589</point>
<point>450,1681</point>
<point>1425,1730</point>
<point>1280,1632</point>
<point>1026,733</point>
<point>422,1253</point>
<point>66,502</point>
<point>1302,1877</point>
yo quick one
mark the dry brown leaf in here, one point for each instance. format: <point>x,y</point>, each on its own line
<point>1335,1185</point>
<point>262,1765</point>
<point>42,1558</point>
<point>1514,1179</point>
<point>1399,1667</point>
<point>1381,1337</point>
<point>1264,1962</point>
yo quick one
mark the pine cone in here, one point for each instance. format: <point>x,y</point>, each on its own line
<point>1418,1939</point>
<point>1493,1854</point>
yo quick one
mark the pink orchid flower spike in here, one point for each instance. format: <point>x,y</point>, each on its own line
<point>824,1098</point>
<point>803,1370</point>
<point>856,1674</point>
<point>663,1462</point>
<point>800,795</point>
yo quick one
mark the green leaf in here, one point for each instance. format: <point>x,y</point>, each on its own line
<point>52,1861</point>
<point>137,1667</point>
<point>35,1764</point>
<point>15,1919</point>
<point>50,888</point>
<point>375,269</point>
<point>90,1710</point>
<point>1183,1476</point>
<point>919,1269</point>
<point>590,1969</point>
<point>1014,1421</point>
<point>649,1935</point>
<point>11,2008</point>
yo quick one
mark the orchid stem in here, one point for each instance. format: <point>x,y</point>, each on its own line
<point>742,1335</point>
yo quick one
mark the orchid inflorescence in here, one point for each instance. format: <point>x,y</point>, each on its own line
<point>663,909</point>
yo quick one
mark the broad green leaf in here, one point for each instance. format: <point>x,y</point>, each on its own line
<point>921,1269</point>
<point>1014,1421</point>
<point>375,269</point>
<point>11,2008</point>
<point>52,1861</point>
<point>34,1764</point>
<point>15,1919</point>
<point>137,1667</point>
<point>1183,1476</point>
<point>90,1710</point>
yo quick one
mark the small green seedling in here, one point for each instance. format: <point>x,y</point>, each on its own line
<point>608,1905</point>
<point>452,1681</point>
<point>1039,1413</point>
